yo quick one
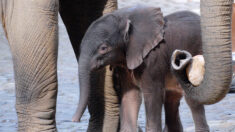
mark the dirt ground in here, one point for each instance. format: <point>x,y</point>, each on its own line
<point>220,116</point>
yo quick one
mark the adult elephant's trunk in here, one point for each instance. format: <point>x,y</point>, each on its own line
<point>84,78</point>
<point>216,38</point>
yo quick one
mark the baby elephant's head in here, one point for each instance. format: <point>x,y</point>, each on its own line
<point>104,42</point>
<point>126,35</point>
<point>122,37</point>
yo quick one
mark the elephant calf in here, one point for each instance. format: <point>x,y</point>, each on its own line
<point>140,40</point>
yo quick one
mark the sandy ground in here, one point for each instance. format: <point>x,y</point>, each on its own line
<point>220,116</point>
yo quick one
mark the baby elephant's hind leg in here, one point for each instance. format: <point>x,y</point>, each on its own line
<point>199,116</point>
<point>171,105</point>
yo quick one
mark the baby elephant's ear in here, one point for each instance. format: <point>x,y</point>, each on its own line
<point>146,33</point>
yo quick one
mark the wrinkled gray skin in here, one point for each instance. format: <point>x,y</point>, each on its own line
<point>135,38</point>
<point>31,27</point>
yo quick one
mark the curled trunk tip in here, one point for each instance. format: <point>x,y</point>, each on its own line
<point>180,59</point>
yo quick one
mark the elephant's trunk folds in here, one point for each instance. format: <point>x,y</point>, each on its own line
<point>216,38</point>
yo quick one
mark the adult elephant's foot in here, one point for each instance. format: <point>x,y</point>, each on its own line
<point>35,117</point>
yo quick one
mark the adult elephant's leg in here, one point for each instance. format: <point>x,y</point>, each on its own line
<point>199,116</point>
<point>31,29</point>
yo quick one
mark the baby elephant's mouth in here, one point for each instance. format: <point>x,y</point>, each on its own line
<point>98,65</point>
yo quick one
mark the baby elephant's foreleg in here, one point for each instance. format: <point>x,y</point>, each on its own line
<point>130,104</point>
<point>130,101</point>
<point>153,92</point>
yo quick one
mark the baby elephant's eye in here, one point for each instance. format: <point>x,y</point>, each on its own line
<point>103,49</point>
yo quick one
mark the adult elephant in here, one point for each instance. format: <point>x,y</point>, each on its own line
<point>31,27</point>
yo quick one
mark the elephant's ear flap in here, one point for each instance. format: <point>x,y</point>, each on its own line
<point>146,33</point>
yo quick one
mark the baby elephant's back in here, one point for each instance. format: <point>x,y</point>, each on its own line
<point>183,31</point>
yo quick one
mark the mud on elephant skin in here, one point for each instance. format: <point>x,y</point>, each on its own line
<point>142,41</point>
